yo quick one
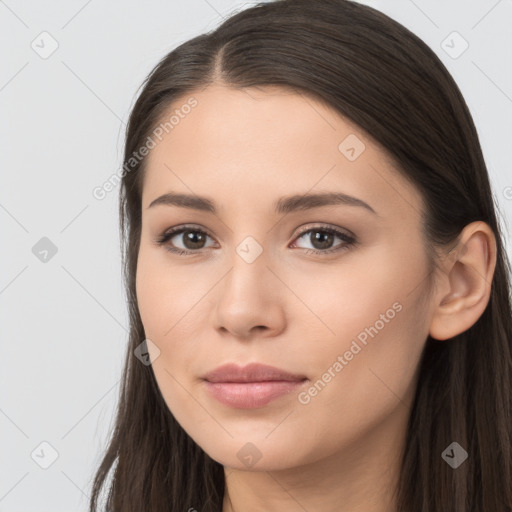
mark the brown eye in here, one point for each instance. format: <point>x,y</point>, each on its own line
<point>322,240</point>
<point>193,239</point>
<point>189,240</point>
<point>186,240</point>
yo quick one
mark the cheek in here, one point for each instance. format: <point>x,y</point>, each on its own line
<point>173,308</point>
<point>373,333</point>
<point>167,295</point>
<point>340,301</point>
<point>162,302</point>
<point>358,384</point>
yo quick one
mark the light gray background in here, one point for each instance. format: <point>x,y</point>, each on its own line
<point>64,321</point>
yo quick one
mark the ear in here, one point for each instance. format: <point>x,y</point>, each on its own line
<point>464,285</point>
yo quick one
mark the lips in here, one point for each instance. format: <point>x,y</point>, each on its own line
<point>252,386</point>
<point>253,372</point>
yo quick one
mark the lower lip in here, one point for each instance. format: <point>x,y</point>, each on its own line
<point>251,395</point>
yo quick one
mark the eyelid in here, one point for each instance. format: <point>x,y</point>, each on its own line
<point>303,229</point>
<point>176,230</point>
<point>325,227</point>
<point>348,238</point>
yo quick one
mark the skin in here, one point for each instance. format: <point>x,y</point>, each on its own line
<point>290,308</point>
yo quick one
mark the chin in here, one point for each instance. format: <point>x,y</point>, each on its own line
<point>244,455</point>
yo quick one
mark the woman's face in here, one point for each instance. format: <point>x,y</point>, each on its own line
<point>342,310</point>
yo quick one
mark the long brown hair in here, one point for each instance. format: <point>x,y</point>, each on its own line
<point>385,79</point>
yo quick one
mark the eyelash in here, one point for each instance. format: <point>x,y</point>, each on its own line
<point>348,240</point>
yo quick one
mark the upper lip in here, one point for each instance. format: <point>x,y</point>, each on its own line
<point>253,372</point>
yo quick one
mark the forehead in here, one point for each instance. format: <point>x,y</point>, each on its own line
<point>265,142</point>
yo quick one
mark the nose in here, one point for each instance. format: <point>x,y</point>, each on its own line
<point>250,300</point>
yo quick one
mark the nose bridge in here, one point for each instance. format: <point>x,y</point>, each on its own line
<point>248,297</point>
<point>248,267</point>
<point>250,250</point>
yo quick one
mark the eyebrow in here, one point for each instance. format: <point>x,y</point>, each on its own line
<point>283,205</point>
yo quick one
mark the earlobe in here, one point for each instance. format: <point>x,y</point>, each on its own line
<point>465,283</point>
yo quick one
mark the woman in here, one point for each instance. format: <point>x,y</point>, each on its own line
<point>317,282</point>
